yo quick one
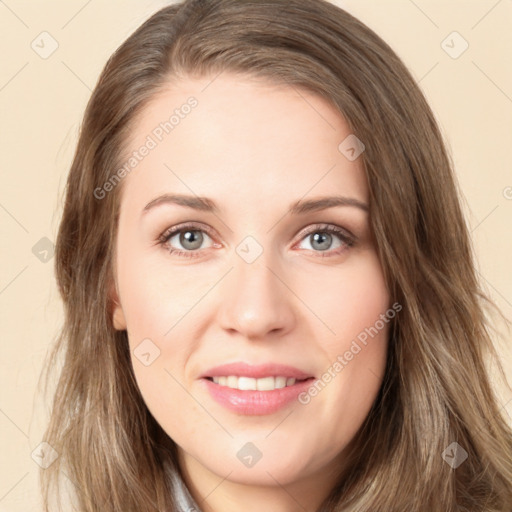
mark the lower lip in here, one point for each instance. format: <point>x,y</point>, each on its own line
<point>255,402</point>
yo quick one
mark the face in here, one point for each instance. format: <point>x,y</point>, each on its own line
<point>250,266</point>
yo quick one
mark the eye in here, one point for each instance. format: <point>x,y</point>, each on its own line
<point>192,236</point>
<point>189,236</point>
<point>321,237</point>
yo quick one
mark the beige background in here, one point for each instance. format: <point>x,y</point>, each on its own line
<point>41,104</point>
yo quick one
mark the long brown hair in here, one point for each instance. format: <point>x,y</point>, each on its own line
<point>436,390</point>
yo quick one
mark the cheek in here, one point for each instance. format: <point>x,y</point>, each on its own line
<point>156,297</point>
<point>160,308</point>
<point>348,301</point>
<point>159,341</point>
<point>356,307</point>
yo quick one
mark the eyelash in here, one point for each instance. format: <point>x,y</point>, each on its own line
<point>347,240</point>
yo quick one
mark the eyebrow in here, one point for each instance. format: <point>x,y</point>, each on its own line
<point>206,204</point>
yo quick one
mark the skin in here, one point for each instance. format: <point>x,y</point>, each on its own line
<point>254,148</point>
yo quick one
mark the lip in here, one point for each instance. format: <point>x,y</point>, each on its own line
<point>255,403</point>
<point>241,369</point>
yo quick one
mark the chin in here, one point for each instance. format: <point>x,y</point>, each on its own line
<point>266,471</point>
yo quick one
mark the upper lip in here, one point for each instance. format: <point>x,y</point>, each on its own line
<point>256,371</point>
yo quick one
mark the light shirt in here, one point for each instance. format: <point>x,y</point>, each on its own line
<point>185,501</point>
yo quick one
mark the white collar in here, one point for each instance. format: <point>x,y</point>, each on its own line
<point>183,497</point>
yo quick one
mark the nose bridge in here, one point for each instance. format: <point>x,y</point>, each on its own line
<point>255,301</point>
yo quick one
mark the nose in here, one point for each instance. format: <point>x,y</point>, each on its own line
<point>257,302</point>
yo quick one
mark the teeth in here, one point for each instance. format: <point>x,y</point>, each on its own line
<point>232,382</point>
<point>265,384</point>
<point>248,383</point>
<point>280,382</point>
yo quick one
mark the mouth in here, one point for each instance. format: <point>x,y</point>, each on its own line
<point>255,390</point>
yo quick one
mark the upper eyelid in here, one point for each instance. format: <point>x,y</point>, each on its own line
<point>324,225</point>
<point>186,225</point>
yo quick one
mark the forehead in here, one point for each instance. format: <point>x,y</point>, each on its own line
<point>240,140</point>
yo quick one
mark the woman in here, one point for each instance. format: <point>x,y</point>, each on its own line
<point>248,370</point>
